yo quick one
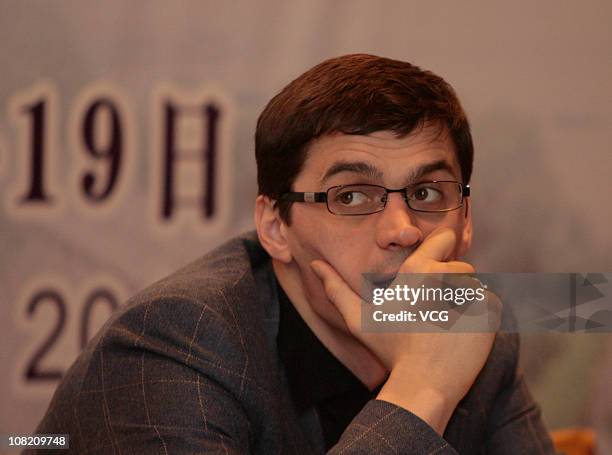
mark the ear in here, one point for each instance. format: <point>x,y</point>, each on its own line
<point>271,229</point>
<point>466,234</point>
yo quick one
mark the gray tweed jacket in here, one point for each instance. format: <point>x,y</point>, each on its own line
<point>190,365</point>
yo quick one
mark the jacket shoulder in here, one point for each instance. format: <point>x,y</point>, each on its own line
<point>215,316</point>
<point>231,284</point>
<point>204,329</point>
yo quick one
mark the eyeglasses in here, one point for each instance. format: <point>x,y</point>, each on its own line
<point>364,199</point>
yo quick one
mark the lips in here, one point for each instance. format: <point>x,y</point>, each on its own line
<point>383,280</point>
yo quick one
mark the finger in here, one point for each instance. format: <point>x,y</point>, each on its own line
<point>437,246</point>
<point>339,293</point>
<point>454,267</point>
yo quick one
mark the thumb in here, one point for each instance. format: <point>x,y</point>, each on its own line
<point>340,294</point>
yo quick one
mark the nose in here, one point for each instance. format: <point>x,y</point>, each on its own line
<point>396,229</point>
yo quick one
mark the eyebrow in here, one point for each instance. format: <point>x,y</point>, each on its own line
<point>372,172</point>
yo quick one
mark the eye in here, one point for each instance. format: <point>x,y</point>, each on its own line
<point>351,198</point>
<point>426,194</point>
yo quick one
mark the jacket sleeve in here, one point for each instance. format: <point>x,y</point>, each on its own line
<point>515,422</point>
<point>384,428</point>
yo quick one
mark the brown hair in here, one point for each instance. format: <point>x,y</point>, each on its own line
<point>352,94</point>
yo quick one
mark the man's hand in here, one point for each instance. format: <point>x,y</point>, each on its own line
<point>429,372</point>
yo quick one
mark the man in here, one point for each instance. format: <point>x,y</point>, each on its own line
<point>363,165</point>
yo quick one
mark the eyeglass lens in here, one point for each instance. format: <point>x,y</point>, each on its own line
<point>366,199</point>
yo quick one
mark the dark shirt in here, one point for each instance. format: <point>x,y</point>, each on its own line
<point>316,378</point>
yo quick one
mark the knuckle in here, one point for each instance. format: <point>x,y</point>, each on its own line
<point>335,293</point>
<point>436,267</point>
<point>469,268</point>
<point>332,291</point>
<point>353,327</point>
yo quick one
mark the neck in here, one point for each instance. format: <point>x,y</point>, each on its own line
<point>342,344</point>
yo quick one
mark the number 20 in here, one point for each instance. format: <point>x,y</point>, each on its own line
<point>33,370</point>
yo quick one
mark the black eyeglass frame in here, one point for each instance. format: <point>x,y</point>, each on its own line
<point>322,196</point>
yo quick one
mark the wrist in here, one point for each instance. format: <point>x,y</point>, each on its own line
<point>424,401</point>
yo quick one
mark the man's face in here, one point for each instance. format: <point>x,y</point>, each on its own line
<point>379,242</point>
